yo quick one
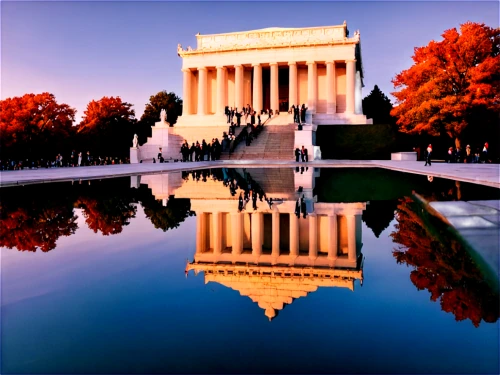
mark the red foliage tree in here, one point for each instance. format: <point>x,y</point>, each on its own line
<point>443,267</point>
<point>453,83</point>
<point>34,122</point>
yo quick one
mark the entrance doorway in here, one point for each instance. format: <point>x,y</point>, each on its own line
<point>283,80</point>
<point>266,88</point>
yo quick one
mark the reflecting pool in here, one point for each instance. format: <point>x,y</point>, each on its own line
<point>242,271</point>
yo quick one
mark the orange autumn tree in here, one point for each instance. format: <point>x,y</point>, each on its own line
<point>106,127</point>
<point>453,83</point>
<point>34,123</point>
<point>443,267</point>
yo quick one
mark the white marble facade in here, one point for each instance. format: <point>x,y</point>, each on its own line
<point>319,66</point>
<point>271,68</point>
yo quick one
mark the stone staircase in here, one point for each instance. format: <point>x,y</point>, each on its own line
<point>275,142</point>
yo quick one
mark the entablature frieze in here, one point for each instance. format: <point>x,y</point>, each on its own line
<point>264,39</point>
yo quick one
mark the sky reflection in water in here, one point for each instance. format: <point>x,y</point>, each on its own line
<point>121,303</point>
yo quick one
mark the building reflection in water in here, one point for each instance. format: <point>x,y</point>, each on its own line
<point>269,254</point>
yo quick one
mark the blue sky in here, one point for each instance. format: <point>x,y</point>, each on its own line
<point>81,51</point>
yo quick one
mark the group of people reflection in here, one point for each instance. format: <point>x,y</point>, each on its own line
<point>438,263</point>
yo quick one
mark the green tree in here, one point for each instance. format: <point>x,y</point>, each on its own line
<point>162,100</point>
<point>378,106</point>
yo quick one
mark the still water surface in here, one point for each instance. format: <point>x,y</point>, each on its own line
<point>95,277</point>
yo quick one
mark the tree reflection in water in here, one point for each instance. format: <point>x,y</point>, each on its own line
<point>442,266</point>
<point>106,205</point>
<point>164,217</point>
<point>34,217</point>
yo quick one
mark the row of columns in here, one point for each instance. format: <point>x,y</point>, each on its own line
<point>312,87</point>
<point>258,232</point>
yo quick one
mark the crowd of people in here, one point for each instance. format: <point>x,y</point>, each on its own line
<point>458,156</point>
<point>202,152</point>
<point>73,160</point>
<point>299,113</point>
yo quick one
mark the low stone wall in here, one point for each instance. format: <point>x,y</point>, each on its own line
<point>404,156</point>
<point>307,138</point>
<point>170,140</point>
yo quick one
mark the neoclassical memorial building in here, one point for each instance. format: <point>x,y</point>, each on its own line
<point>272,68</point>
<point>268,254</point>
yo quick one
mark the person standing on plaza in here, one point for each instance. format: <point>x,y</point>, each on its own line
<point>303,154</point>
<point>449,157</point>
<point>79,159</point>
<point>297,154</point>
<point>428,156</point>
<point>458,155</point>
<point>238,119</point>
<point>191,152</point>
<point>303,111</point>
<point>484,155</point>
<point>468,155</point>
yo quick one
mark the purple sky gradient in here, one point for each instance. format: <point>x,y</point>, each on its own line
<point>81,51</point>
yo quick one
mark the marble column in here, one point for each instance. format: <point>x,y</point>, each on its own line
<point>332,237</point>
<point>313,236</point>
<point>274,87</point>
<point>257,87</point>
<point>350,85</point>
<point>217,232</point>
<point>256,233</point>
<point>331,96</point>
<point>200,232</point>
<point>237,233</point>
<point>238,89</point>
<point>358,95</point>
<point>294,235</point>
<point>312,86</point>
<point>276,234</point>
<point>351,237</point>
<point>220,90</point>
<point>292,82</point>
<point>225,97</point>
<point>202,91</point>
<point>186,107</point>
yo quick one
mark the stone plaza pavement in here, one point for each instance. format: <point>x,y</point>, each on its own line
<point>483,174</point>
